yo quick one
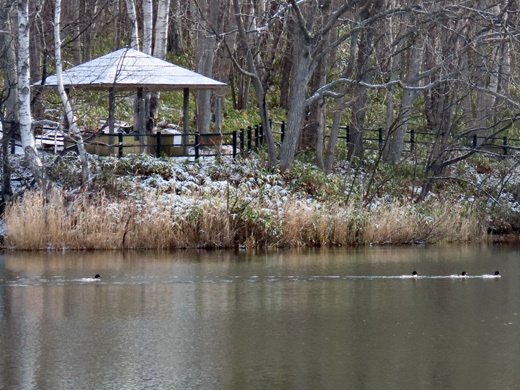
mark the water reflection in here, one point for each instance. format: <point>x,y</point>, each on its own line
<point>285,319</point>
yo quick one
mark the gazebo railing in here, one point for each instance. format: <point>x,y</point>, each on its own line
<point>192,145</point>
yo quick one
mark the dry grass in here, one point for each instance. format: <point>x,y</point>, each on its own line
<point>88,222</point>
<point>398,223</point>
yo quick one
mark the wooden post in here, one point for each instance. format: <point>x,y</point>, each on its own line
<point>158,144</point>
<point>218,130</point>
<point>380,138</point>
<point>242,141</point>
<point>234,143</point>
<point>282,131</point>
<point>256,137</point>
<point>186,120</point>
<point>249,146</point>
<point>218,115</point>
<point>412,140</point>
<point>504,145</point>
<point>197,146</point>
<point>141,119</point>
<point>111,114</point>
<point>120,148</point>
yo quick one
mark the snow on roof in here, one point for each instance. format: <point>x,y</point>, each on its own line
<point>130,69</point>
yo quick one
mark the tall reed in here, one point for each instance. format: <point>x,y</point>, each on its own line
<point>90,221</point>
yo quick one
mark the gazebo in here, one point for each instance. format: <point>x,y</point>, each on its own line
<point>132,70</point>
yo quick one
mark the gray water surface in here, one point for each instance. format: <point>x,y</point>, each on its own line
<point>326,319</point>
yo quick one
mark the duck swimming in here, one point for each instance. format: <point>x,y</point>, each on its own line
<point>96,278</point>
<point>497,273</point>
<point>414,273</point>
<point>464,274</point>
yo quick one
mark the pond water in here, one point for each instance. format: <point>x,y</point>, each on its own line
<point>313,319</point>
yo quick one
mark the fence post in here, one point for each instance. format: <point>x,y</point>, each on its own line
<point>249,138</point>
<point>241,141</point>
<point>261,133</point>
<point>282,128</point>
<point>475,140</point>
<point>412,140</point>
<point>347,138</point>
<point>234,143</point>
<point>196,146</point>
<point>380,138</point>
<point>13,146</point>
<point>120,147</point>
<point>505,145</point>
<point>158,144</point>
<point>256,137</point>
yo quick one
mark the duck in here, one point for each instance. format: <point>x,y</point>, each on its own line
<point>464,274</point>
<point>414,273</point>
<point>497,273</point>
<point>97,276</point>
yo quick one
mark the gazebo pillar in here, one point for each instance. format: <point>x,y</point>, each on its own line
<point>140,119</point>
<point>186,119</point>
<point>111,119</point>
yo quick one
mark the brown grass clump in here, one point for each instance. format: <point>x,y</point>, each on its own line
<point>85,221</point>
<point>314,224</point>
<point>397,223</point>
<point>36,222</point>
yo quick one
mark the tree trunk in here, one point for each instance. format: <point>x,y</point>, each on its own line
<point>159,50</point>
<point>90,36</point>
<point>396,138</point>
<point>175,38</point>
<point>297,102</point>
<point>147,26</point>
<point>260,93</point>
<point>10,119</point>
<point>204,56</point>
<point>134,28</point>
<point>24,98</point>
<point>76,135</point>
<point>341,106</point>
<point>77,33</point>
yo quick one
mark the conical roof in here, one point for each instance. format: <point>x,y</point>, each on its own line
<point>130,69</point>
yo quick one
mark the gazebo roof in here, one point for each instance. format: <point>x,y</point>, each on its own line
<point>129,69</point>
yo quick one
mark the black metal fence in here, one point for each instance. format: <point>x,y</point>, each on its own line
<point>246,140</point>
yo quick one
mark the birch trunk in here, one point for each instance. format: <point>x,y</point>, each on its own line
<point>161,28</point>
<point>134,28</point>
<point>10,118</point>
<point>159,49</point>
<point>24,98</point>
<point>147,26</point>
<point>85,173</point>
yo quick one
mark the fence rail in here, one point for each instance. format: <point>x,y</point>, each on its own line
<point>248,139</point>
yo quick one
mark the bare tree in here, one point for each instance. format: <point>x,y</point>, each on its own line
<point>9,96</point>
<point>259,89</point>
<point>24,98</point>
<point>76,135</point>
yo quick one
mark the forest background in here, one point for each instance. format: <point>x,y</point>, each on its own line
<point>445,69</point>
